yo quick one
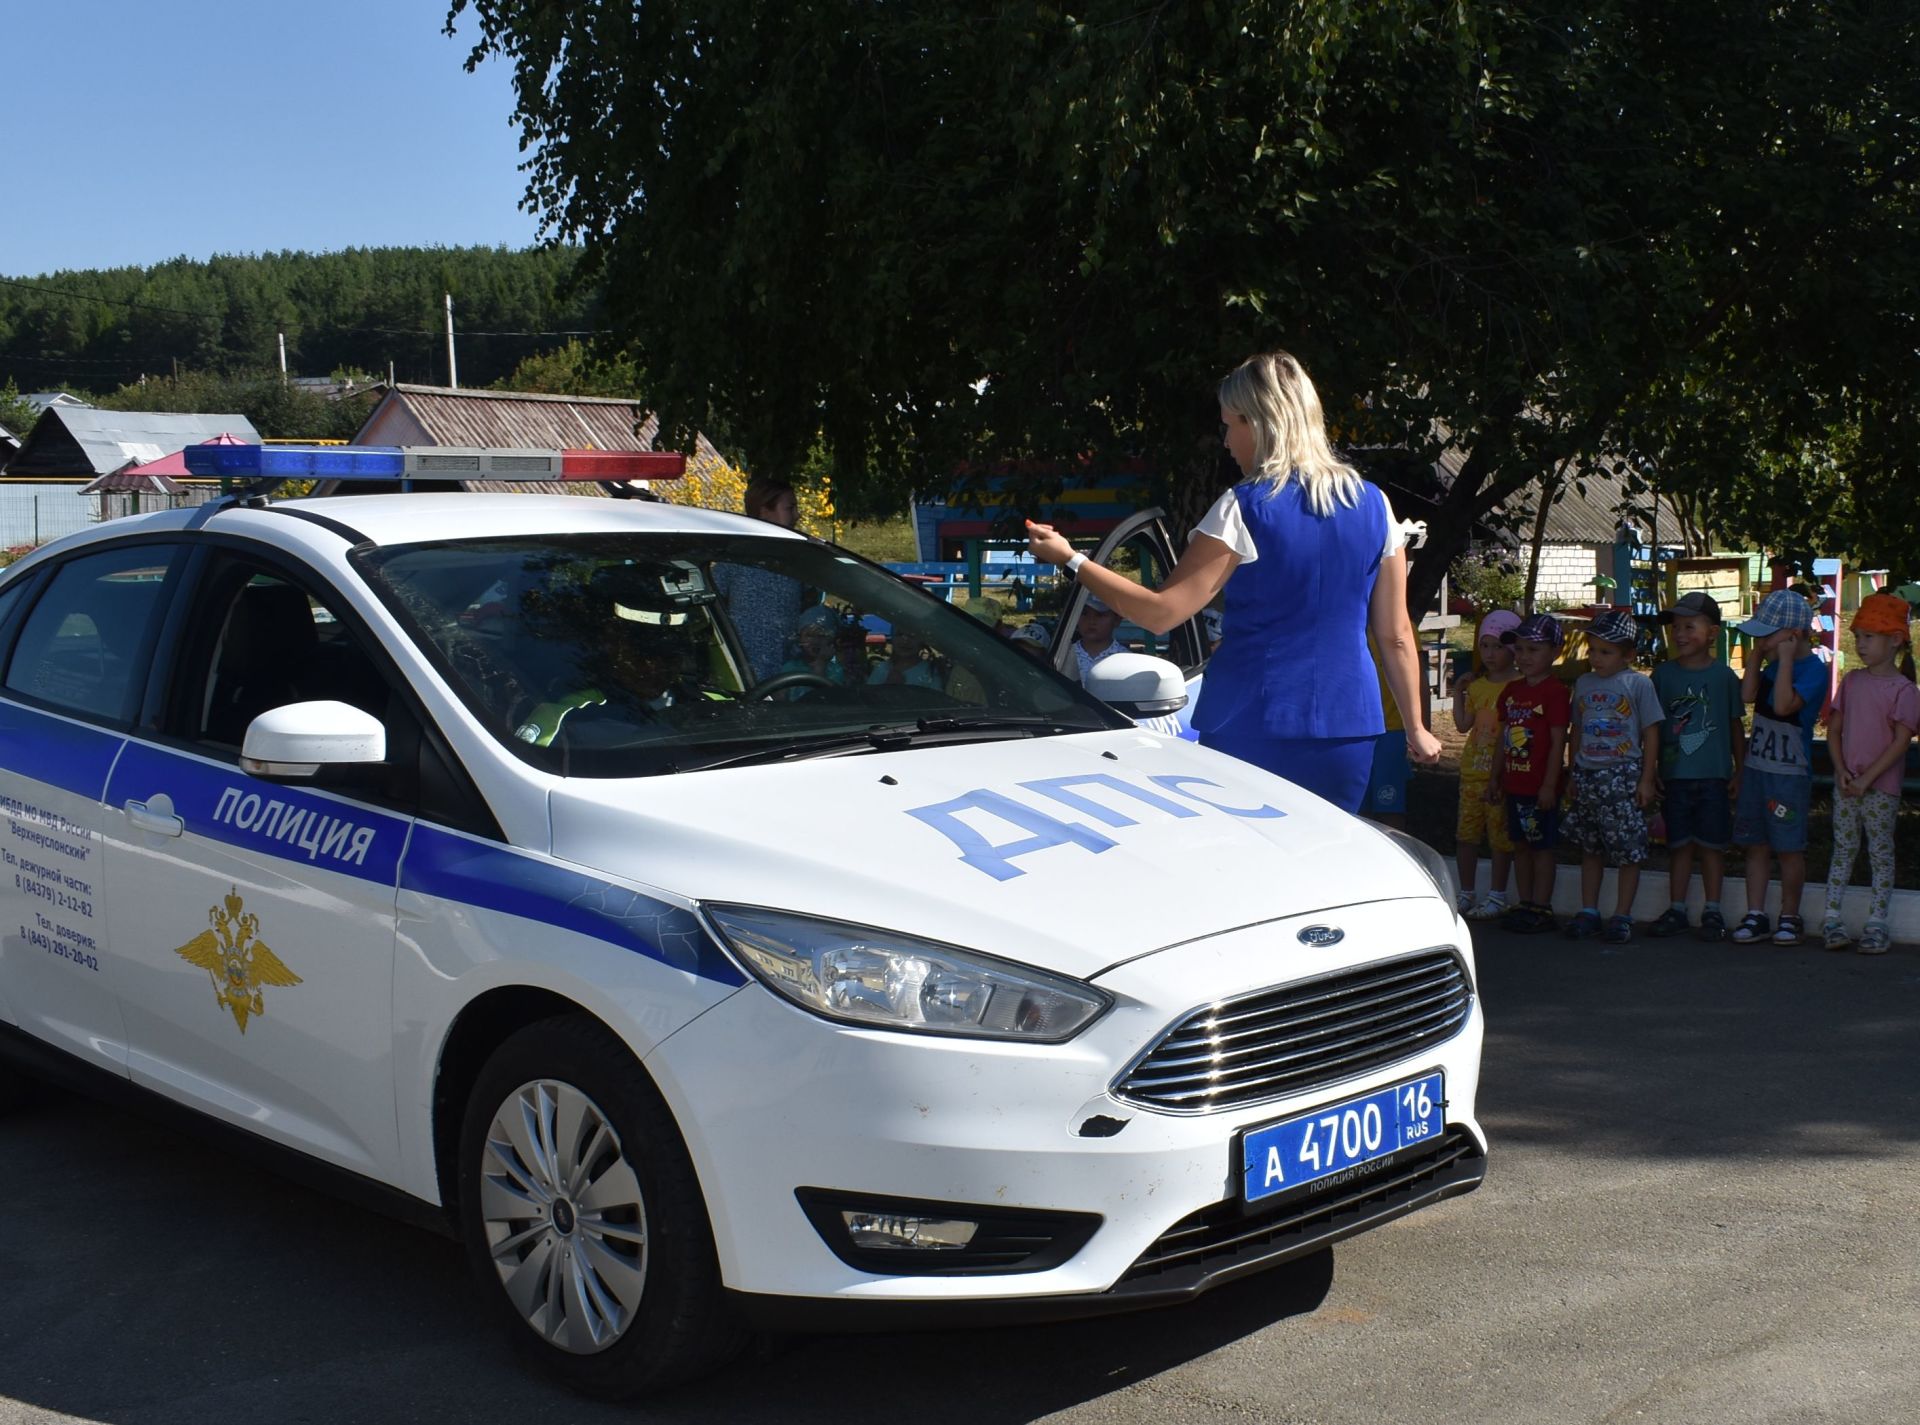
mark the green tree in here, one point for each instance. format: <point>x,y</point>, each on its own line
<point>574,369</point>
<point>363,308</point>
<point>934,233</point>
<point>15,414</point>
<point>275,409</point>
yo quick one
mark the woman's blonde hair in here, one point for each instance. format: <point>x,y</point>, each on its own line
<point>1275,397</point>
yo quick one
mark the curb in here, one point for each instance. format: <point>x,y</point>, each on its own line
<point>1903,914</point>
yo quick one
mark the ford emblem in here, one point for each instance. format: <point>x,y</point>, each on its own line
<point>1321,936</point>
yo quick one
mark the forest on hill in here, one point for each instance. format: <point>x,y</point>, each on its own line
<point>361,310</point>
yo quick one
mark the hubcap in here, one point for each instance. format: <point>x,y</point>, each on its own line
<point>564,1216</point>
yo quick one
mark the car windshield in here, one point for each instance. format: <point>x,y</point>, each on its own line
<point>627,655</point>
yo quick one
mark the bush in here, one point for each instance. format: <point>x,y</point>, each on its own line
<point>1488,581</point>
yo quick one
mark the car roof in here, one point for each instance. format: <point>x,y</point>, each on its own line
<point>417,519</point>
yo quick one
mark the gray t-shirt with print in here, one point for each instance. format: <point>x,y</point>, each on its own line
<point>1611,714</point>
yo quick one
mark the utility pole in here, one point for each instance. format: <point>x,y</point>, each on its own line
<point>453,371</point>
<point>283,358</point>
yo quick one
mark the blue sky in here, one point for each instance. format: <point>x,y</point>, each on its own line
<point>148,129</point>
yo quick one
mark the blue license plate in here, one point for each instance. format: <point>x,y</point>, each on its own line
<point>1287,1155</point>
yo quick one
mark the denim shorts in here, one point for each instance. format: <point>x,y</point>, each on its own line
<point>1772,810</point>
<point>1531,825</point>
<point>1699,813</point>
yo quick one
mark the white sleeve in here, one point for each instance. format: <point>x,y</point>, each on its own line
<point>1396,536</point>
<point>1224,523</point>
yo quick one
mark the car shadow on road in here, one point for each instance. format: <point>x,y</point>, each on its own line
<point>148,1279</point>
<point>1674,1048</point>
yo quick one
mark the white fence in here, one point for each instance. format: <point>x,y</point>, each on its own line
<point>32,514</point>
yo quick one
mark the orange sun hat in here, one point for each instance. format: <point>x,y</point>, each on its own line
<point>1882,613</point>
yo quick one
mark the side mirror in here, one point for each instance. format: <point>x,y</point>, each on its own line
<point>297,740</point>
<point>1138,684</point>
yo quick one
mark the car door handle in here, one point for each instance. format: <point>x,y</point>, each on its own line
<point>160,823</point>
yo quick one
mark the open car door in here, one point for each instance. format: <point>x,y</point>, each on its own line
<point>1142,548</point>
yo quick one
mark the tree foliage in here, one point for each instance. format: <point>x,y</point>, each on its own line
<point>359,309</point>
<point>932,233</point>
<point>15,414</point>
<point>275,409</point>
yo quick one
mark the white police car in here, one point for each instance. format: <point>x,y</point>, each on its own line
<point>456,844</point>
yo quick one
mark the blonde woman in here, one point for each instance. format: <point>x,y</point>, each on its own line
<point>1312,559</point>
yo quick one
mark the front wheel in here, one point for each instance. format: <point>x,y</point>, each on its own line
<point>583,1219</point>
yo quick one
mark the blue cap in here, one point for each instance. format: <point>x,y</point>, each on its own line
<point>1781,609</point>
<point>1614,626</point>
<point>1535,628</point>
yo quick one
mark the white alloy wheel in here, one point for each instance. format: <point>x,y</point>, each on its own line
<point>564,1217</point>
<point>583,1218</point>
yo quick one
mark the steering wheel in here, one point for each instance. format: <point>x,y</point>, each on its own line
<point>780,682</point>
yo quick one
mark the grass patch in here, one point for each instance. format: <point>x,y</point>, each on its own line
<point>884,541</point>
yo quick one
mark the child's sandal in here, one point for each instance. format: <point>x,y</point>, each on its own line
<point>1834,936</point>
<point>1875,940</point>
<point>1752,929</point>
<point>1791,932</point>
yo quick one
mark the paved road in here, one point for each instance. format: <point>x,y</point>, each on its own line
<point>1703,1206</point>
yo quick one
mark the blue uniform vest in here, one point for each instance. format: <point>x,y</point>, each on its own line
<point>1294,662</point>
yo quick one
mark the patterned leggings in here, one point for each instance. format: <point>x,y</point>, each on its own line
<point>1875,811</point>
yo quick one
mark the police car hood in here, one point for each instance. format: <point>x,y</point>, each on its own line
<point>1072,853</point>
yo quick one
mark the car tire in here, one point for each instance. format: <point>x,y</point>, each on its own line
<point>583,1219</point>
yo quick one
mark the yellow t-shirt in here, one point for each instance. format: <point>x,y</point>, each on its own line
<point>1476,758</point>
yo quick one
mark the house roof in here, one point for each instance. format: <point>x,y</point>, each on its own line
<point>442,415</point>
<point>1593,514</point>
<point>82,441</point>
<point>41,400</point>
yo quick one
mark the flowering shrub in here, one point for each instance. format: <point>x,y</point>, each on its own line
<point>716,485</point>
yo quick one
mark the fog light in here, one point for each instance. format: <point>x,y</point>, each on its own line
<point>889,1231</point>
<point>907,1236</point>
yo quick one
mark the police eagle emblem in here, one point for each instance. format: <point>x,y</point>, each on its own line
<point>235,960</point>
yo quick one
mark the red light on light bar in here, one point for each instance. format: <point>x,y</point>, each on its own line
<point>622,464</point>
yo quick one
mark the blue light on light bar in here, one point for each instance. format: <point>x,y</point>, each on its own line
<point>296,462</point>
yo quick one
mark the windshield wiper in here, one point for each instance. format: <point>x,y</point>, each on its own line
<point>890,737</point>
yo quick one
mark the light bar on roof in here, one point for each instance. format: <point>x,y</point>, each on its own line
<point>428,462</point>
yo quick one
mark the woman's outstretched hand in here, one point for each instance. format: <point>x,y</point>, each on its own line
<point>1047,544</point>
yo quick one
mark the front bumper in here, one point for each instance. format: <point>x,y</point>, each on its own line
<point>771,1099</point>
<point>1206,1249</point>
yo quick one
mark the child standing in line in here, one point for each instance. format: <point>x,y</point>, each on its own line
<point>1473,699</point>
<point>1776,788</point>
<point>1531,716</point>
<point>1873,719</point>
<point>1702,748</point>
<point>1615,751</point>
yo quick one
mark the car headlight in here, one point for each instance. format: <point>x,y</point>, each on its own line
<point>875,978</point>
<point>1427,859</point>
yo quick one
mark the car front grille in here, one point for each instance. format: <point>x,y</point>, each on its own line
<point>1223,1240</point>
<point>1292,1039</point>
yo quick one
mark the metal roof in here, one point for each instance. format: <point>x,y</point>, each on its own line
<point>80,440</point>
<point>1593,516</point>
<point>444,415</point>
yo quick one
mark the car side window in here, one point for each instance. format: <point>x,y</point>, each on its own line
<point>83,647</point>
<point>261,640</point>
<point>267,642</point>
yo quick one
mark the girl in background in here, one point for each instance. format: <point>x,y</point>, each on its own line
<point>1872,720</point>
<point>1473,698</point>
